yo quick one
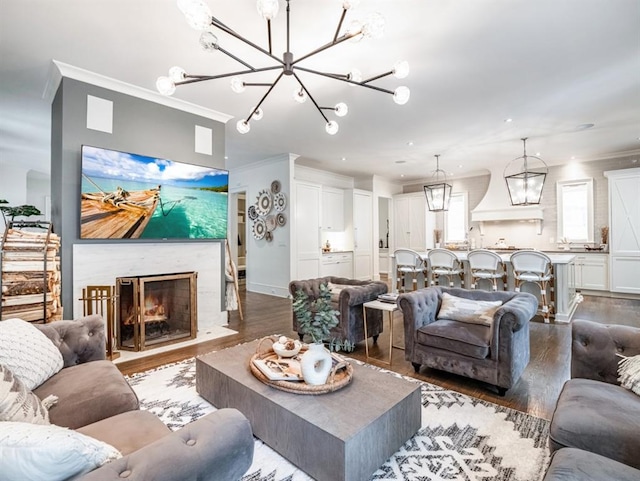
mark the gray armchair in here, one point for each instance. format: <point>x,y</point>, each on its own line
<point>594,413</point>
<point>349,303</point>
<point>496,354</point>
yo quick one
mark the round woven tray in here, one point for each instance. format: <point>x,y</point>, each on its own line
<point>339,377</point>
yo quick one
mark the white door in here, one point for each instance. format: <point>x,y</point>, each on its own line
<point>624,232</point>
<point>417,222</point>
<point>363,235</point>
<point>307,230</point>
<point>402,227</point>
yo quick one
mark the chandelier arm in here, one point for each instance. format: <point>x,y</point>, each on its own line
<point>269,35</point>
<point>373,87</point>
<point>344,14</point>
<point>200,78</point>
<point>311,97</point>
<point>264,96</point>
<point>226,29</point>
<point>229,54</point>
<point>382,75</point>
<point>324,47</point>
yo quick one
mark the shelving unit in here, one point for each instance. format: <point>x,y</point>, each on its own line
<point>242,238</point>
<point>30,272</point>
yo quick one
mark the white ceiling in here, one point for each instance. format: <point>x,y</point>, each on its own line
<point>550,65</point>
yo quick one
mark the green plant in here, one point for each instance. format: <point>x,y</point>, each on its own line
<point>337,345</point>
<point>17,211</point>
<point>315,317</point>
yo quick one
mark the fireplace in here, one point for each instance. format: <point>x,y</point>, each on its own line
<point>154,311</point>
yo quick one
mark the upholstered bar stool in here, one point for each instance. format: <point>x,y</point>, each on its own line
<point>408,264</point>
<point>443,262</point>
<point>485,264</point>
<point>535,267</point>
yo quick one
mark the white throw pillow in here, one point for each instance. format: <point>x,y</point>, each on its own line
<point>629,373</point>
<point>36,452</point>
<point>17,403</point>
<point>28,353</point>
<point>468,310</point>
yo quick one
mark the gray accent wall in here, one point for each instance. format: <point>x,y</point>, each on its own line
<point>139,126</point>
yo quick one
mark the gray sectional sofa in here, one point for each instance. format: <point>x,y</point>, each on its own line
<point>594,431</point>
<point>96,400</point>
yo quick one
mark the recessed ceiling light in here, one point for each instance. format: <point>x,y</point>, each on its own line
<point>573,157</point>
<point>537,154</point>
<point>460,166</point>
<point>508,120</point>
<point>410,144</point>
<point>226,158</point>
<point>401,175</point>
<point>343,159</point>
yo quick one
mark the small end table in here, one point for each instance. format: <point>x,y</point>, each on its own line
<point>381,306</point>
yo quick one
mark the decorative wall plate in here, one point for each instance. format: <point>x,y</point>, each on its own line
<point>281,219</point>
<point>271,222</point>
<point>265,203</point>
<point>259,229</point>
<point>275,186</point>
<point>252,212</point>
<point>280,201</point>
<point>268,236</point>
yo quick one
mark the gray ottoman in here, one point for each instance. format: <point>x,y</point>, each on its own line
<point>597,417</point>
<point>571,464</point>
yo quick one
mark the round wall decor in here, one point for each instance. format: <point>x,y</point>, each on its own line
<point>259,228</point>
<point>280,201</point>
<point>252,212</point>
<point>281,219</point>
<point>275,186</point>
<point>265,203</point>
<point>264,223</point>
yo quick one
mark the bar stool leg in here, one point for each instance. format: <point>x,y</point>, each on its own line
<point>545,304</point>
<point>399,281</point>
<point>414,281</point>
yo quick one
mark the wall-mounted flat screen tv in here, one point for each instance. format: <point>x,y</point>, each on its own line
<point>130,196</point>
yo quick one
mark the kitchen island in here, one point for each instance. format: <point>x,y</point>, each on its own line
<point>566,299</point>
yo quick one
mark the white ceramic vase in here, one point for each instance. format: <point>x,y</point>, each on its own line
<point>315,364</point>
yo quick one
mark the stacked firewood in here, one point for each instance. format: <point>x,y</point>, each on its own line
<point>31,285</point>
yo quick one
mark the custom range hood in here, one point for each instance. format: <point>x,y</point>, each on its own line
<point>496,206</point>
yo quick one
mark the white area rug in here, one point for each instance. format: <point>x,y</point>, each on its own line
<point>461,439</point>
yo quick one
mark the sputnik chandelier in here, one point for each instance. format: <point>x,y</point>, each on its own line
<point>199,17</point>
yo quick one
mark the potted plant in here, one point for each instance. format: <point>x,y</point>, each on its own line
<point>17,211</point>
<point>315,319</point>
<point>437,237</point>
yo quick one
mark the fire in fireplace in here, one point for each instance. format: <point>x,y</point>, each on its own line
<point>153,311</point>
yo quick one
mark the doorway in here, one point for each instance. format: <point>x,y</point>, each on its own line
<point>238,233</point>
<point>384,232</point>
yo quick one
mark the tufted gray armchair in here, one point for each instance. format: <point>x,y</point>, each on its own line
<point>496,354</point>
<point>349,302</point>
<point>594,413</point>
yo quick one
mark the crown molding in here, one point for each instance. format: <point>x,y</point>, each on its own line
<point>58,70</point>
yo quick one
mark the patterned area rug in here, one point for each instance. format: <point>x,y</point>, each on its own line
<point>461,439</point>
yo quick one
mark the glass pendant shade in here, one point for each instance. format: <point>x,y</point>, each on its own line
<point>524,181</point>
<point>243,126</point>
<point>177,74</point>
<point>355,76</point>
<point>341,109</point>
<point>300,96</point>
<point>268,9</point>
<point>401,95</point>
<point>373,26</point>
<point>401,69</point>
<point>332,127</point>
<point>347,4</point>
<point>258,114</point>
<point>237,85</point>
<point>196,12</point>
<point>208,41</point>
<point>438,193</point>
<point>165,86</point>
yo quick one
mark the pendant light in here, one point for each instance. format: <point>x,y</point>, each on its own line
<point>525,182</point>
<point>438,192</point>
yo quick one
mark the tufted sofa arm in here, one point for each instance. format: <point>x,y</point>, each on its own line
<point>79,341</point>
<point>594,347</point>
<point>216,447</point>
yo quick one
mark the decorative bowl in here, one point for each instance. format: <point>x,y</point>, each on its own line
<point>280,349</point>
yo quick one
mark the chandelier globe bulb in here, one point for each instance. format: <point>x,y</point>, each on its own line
<point>177,74</point>
<point>257,115</point>
<point>332,127</point>
<point>208,41</point>
<point>373,26</point>
<point>196,12</point>
<point>354,30</point>
<point>300,96</point>
<point>401,69</point>
<point>237,85</point>
<point>243,126</point>
<point>165,86</point>
<point>355,76</point>
<point>341,109</point>
<point>268,9</point>
<point>401,95</point>
<point>350,4</point>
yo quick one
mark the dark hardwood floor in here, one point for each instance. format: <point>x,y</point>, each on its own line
<point>536,392</point>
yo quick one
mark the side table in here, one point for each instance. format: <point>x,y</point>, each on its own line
<point>382,306</point>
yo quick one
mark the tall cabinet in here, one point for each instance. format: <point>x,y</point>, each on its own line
<point>624,230</point>
<point>413,222</point>
<point>307,211</point>
<point>359,206</point>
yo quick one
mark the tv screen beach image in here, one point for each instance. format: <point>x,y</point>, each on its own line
<point>129,196</point>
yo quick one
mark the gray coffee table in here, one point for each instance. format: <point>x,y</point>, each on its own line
<point>341,436</point>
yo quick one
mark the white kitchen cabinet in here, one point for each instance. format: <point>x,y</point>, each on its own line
<point>306,210</point>
<point>592,272</point>
<point>333,209</point>
<point>338,264</point>
<point>624,230</point>
<point>413,222</point>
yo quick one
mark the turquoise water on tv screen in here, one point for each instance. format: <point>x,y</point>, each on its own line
<point>184,213</point>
